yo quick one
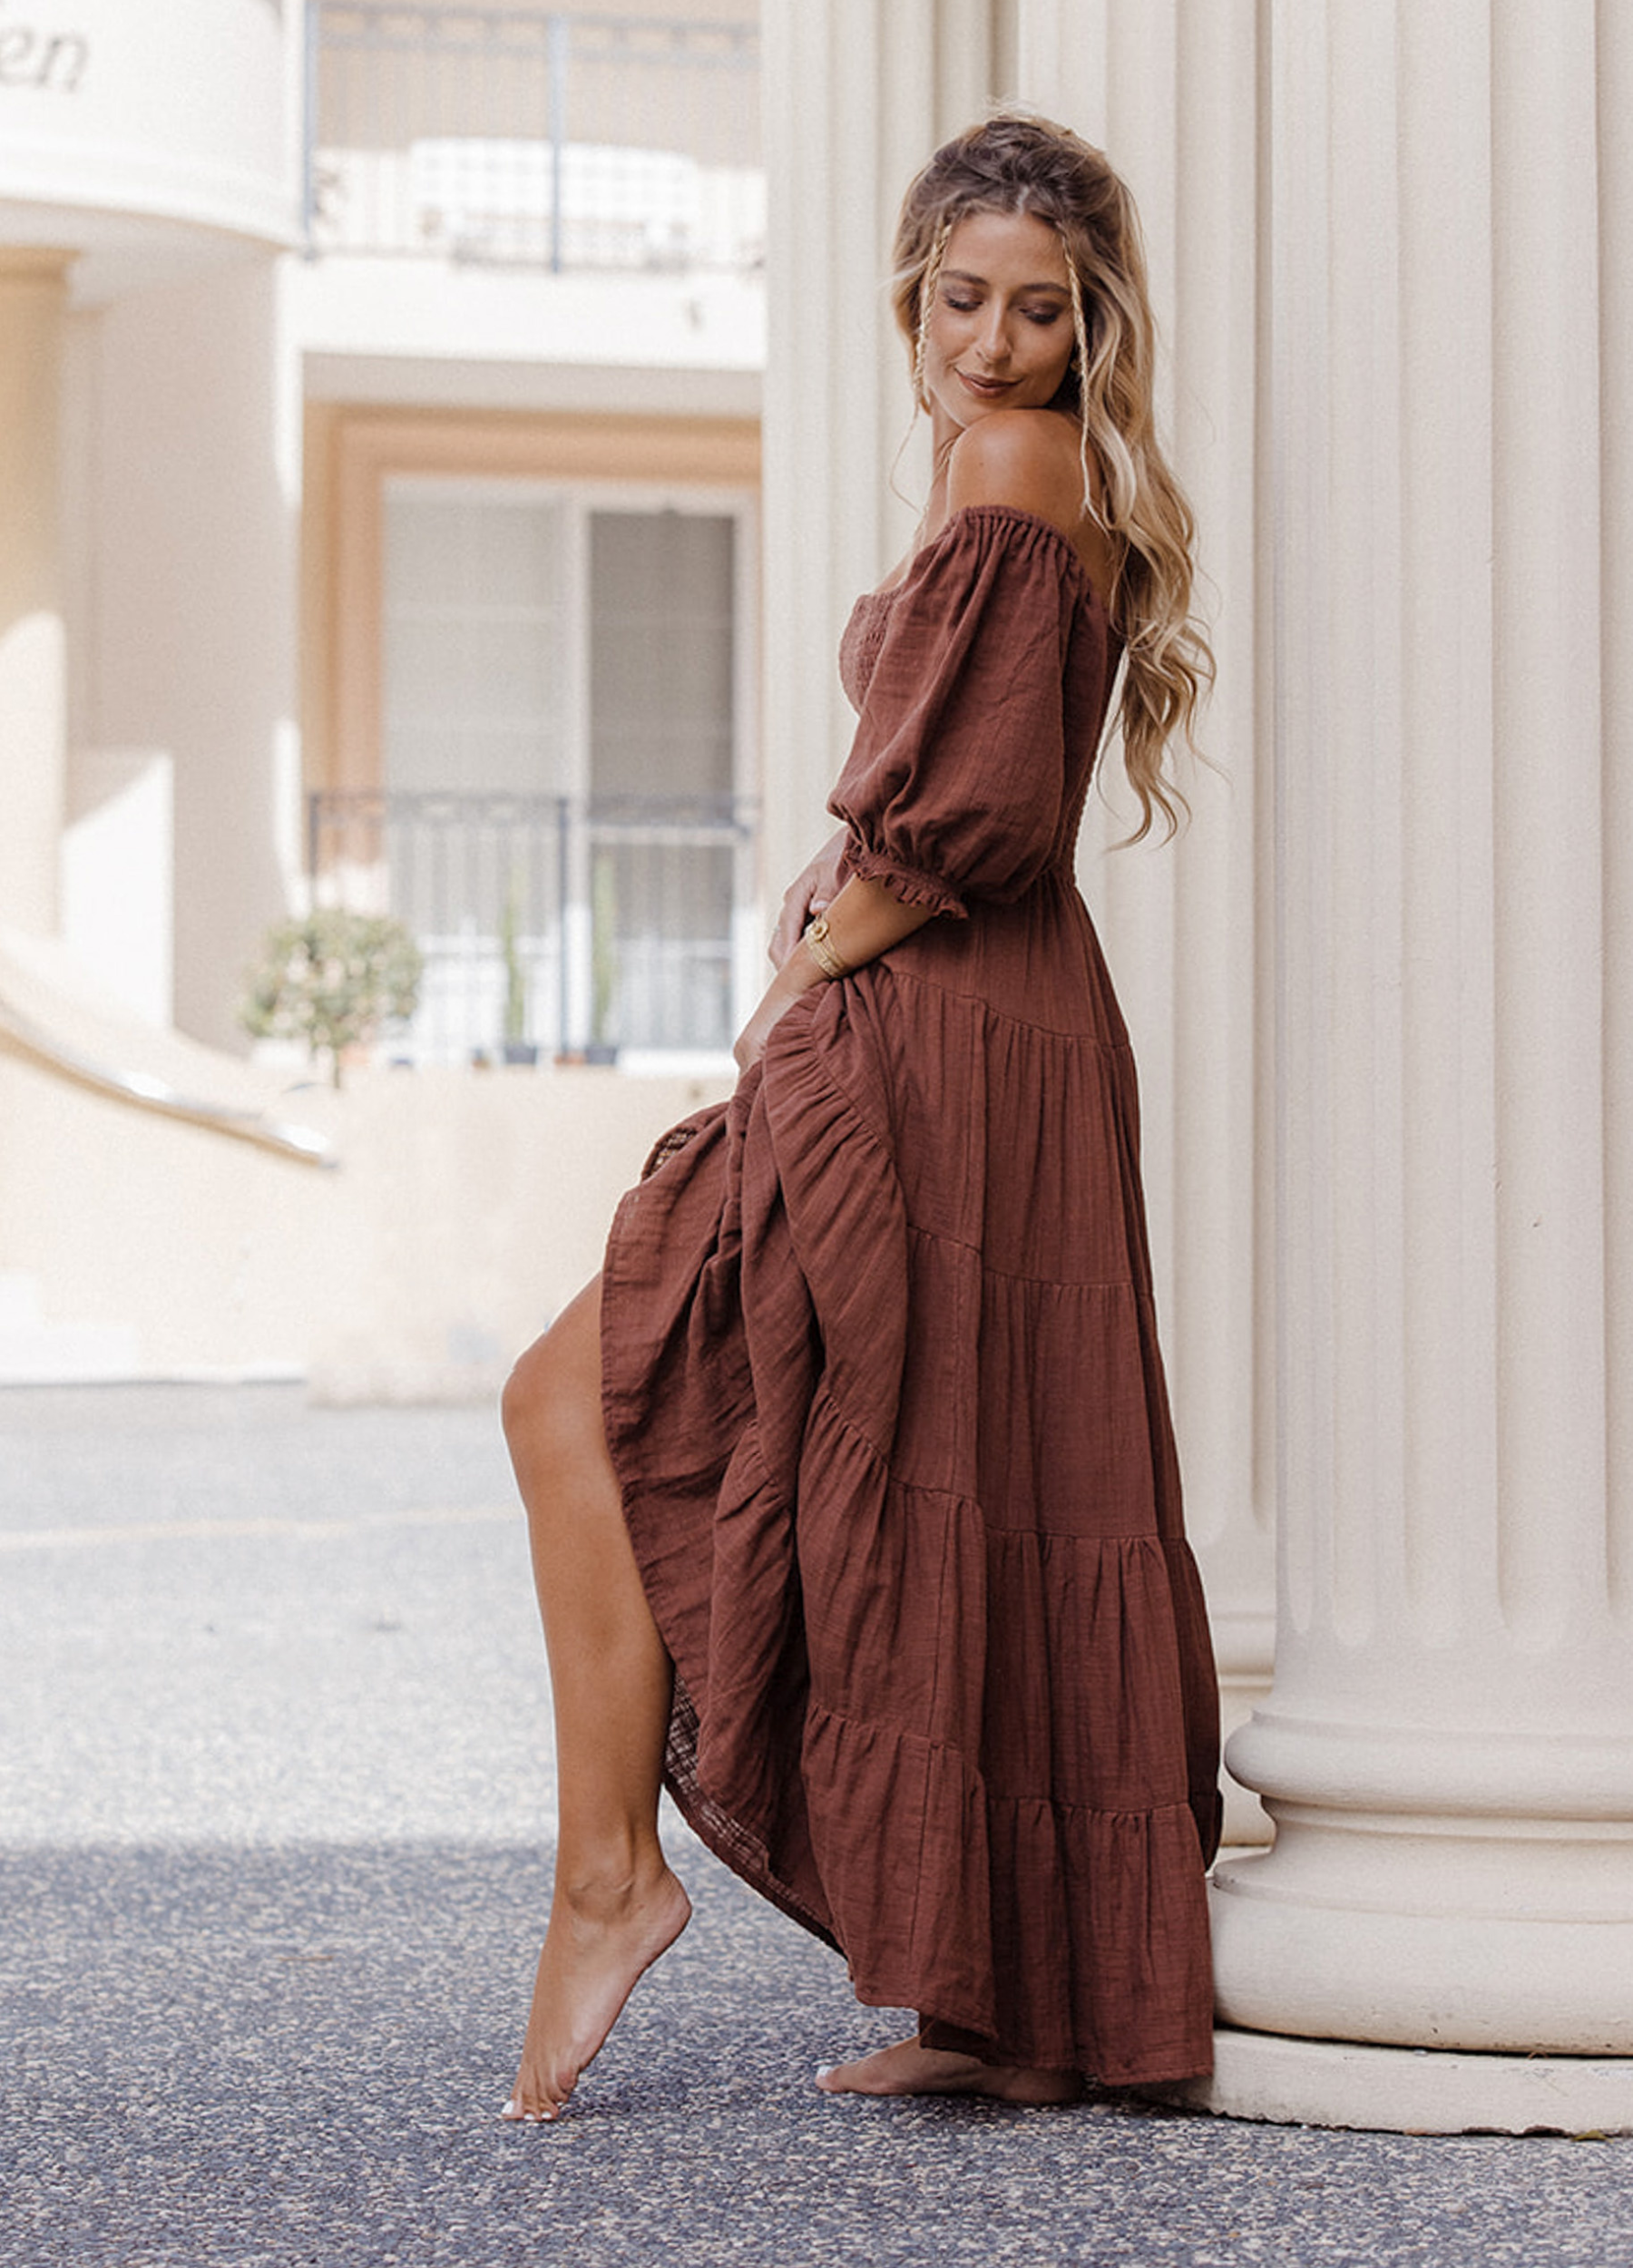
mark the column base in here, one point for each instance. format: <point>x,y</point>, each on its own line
<point>1464,1934</point>
<point>1283,2081</point>
<point>1244,1692</point>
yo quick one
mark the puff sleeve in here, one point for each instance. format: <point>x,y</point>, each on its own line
<point>956,785</point>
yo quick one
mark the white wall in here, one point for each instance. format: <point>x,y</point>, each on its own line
<point>185,404</point>
<point>381,330</point>
<point>33,642</point>
<point>118,876</point>
<point>466,1210</point>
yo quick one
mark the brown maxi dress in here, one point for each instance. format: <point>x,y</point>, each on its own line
<point>883,1391</point>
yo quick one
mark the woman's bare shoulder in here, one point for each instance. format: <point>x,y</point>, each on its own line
<point>1029,460</point>
<point>1025,458</point>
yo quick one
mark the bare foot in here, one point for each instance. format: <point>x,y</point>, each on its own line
<point>598,1945</point>
<point>909,2069</point>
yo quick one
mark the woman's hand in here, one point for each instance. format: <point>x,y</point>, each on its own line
<point>864,921</point>
<point>808,895</point>
<point>796,976</point>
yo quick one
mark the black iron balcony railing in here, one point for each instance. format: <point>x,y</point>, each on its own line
<point>572,926</point>
<point>514,137</point>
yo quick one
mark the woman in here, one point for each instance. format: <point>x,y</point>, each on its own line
<point>853,1498</point>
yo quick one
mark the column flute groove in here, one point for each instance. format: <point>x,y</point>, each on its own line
<point>1550,1192</point>
<point>1615,61</point>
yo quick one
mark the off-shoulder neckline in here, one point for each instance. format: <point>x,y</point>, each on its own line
<point>957,520</point>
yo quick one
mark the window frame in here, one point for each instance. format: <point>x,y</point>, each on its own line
<point>705,465</point>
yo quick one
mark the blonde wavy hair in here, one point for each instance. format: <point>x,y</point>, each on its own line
<point>1014,162</point>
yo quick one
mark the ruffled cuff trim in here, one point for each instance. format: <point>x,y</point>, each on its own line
<point>913,884</point>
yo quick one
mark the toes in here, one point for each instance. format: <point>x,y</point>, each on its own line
<point>545,2117</point>
<point>535,2106</point>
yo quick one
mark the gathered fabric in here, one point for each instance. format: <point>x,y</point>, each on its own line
<point>884,1393</point>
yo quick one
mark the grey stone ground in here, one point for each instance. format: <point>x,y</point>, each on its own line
<point>275,1792</point>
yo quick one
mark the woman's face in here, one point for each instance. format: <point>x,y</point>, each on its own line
<point>999,334</point>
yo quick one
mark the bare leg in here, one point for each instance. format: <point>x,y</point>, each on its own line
<point>616,1906</point>
<point>908,2068</point>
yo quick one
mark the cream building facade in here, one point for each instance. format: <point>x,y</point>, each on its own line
<point>261,352</point>
<point>1380,990</point>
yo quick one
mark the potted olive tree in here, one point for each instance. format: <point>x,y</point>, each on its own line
<point>333,980</point>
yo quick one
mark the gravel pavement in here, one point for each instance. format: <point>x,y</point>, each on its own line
<point>276,1797</point>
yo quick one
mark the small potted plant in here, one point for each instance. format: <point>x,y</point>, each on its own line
<point>333,980</point>
<point>515,1047</point>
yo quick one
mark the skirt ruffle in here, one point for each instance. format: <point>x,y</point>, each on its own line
<point>907,1514</point>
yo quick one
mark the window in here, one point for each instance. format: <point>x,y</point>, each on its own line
<point>566,728</point>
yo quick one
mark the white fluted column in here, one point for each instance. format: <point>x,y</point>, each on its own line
<point>857,93</point>
<point>1172,95</point>
<point>1448,1750</point>
<point>33,650</point>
